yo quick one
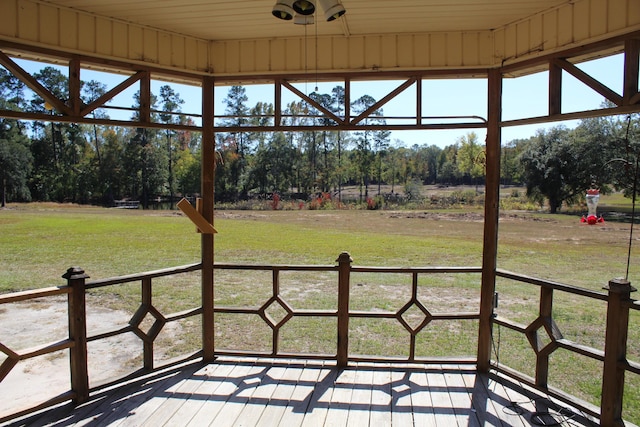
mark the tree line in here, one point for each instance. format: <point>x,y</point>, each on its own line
<point>100,164</point>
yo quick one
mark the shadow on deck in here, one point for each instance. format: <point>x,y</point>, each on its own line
<point>267,392</point>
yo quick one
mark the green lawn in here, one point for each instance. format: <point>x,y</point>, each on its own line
<point>40,241</point>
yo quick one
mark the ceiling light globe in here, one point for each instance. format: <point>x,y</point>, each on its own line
<point>334,12</point>
<point>283,10</point>
<point>304,7</point>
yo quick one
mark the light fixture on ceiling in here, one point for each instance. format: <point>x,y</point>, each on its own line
<point>332,9</point>
<point>304,10</point>
<point>304,7</point>
<point>283,9</point>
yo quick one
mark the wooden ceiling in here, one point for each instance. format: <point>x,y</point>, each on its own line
<point>242,40</point>
<point>217,20</point>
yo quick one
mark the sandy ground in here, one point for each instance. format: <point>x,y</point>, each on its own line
<point>37,322</point>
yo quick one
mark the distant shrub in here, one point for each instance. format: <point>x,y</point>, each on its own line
<point>412,190</point>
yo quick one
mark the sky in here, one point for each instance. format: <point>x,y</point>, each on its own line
<point>522,97</point>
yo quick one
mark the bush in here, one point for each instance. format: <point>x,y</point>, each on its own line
<point>412,190</point>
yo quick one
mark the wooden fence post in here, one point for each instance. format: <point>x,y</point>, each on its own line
<point>615,352</point>
<point>78,333</point>
<point>344,271</point>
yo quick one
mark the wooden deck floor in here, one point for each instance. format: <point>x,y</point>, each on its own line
<point>250,392</point>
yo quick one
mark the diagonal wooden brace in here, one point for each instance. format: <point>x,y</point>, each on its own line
<point>195,216</point>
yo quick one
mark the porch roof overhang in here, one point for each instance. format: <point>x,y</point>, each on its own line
<point>232,39</point>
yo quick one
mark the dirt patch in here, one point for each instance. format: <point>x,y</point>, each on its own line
<point>28,325</point>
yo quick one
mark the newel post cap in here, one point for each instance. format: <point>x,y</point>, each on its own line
<point>344,257</point>
<point>74,273</point>
<point>619,285</point>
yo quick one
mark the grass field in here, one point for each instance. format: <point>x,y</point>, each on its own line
<point>40,241</point>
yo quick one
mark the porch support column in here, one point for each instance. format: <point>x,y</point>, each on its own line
<point>491,212</point>
<point>208,180</point>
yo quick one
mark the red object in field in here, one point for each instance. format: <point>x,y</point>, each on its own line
<point>592,219</point>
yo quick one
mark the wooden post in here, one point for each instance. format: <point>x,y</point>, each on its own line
<point>555,89</point>
<point>147,345</point>
<point>491,214</point>
<point>615,352</point>
<point>542,358</point>
<point>78,333</point>
<point>208,179</point>
<point>344,271</point>
<point>631,70</point>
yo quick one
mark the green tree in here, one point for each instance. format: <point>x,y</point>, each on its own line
<point>49,146</point>
<point>15,162</point>
<point>237,113</point>
<point>470,157</point>
<point>187,172</point>
<point>114,164</point>
<point>448,165</point>
<point>364,154</point>
<point>551,169</point>
<point>510,166</point>
<point>171,102</point>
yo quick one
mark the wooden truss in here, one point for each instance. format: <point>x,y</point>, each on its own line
<point>74,110</point>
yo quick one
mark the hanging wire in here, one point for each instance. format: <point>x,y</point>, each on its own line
<point>315,24</point>
<point>633,197</point>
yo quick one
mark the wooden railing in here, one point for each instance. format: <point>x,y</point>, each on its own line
<point>613,357</point>
<point>614,360</point>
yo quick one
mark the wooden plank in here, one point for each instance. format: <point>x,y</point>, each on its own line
<point>401,409</point>
<point>243,383</point>
<point>442,405</point>
<point>282,395</point>
<point>107,406</point>
<point>341,398</point>
<point>215,403</point>
<point>130,408</point>
<point>423,414</point>
<point>312,379</point>
<point>381,396</point>
<point>481,403</point>
<point>318,405</point>
<point>360,405</point>
<point>506,410</point>
<point>152,402</point>
<point>459,397</point>
<point>261,397</point>
<point>177,396</point>
<point>210,378</point>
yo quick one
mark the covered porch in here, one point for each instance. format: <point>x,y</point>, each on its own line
<point>239,384</point>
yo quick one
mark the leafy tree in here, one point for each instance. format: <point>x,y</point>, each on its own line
<point>380,147</point>
<point>550,166</point>
<point>364,140</point>
<point>615,149</point>
<point>114,181</point>
<point>510,166</point>
<point>326,139</point>
<point>470,157</point>
<point>15,162</point>
<point>449,171</point>
<point>338,105</point>
<point>144,167</point>
<point>171,102</point>
<point>274,165</point>
<point>187,172</point>
<point>237,113</point>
